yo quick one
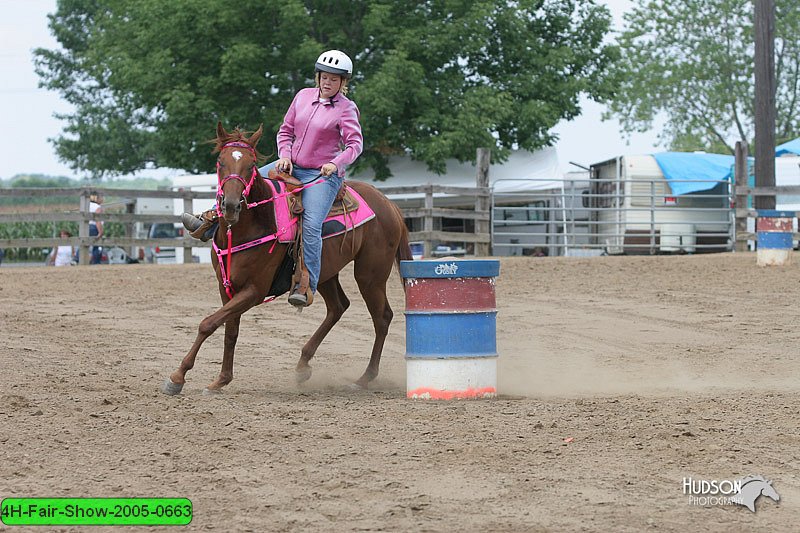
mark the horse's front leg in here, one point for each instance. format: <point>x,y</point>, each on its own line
<point>226,374</point>
<point>241,302</point>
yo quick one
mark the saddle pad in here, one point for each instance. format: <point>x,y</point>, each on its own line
<point>333,225</point>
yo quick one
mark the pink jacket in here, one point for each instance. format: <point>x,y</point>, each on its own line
<point>313,134</point>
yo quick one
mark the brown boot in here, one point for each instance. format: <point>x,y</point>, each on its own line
<point>198,227</point>
<point>191,222</point>
<point>301,295</point>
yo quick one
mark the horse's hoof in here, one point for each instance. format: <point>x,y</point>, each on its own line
<point>211,392</point>
<point>357,386</point>
<point>171,389</point>
<point>302,375</point>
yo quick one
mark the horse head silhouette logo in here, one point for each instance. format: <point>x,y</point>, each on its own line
<point>752,488</point>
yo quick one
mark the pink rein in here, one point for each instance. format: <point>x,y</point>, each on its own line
<point>225,272</point>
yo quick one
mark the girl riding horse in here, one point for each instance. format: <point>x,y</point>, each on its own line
<point>250,255</point>
<point>320,136</point>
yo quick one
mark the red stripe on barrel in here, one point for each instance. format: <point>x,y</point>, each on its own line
<point>454,294</point>
<point>774,224</point>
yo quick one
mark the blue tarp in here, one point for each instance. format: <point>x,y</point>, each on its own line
<point>791,147</point>
<point>678,167</point>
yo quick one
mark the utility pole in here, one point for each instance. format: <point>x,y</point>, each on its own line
<point>764,25</point>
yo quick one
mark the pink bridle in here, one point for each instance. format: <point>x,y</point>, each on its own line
<point>222,181</point>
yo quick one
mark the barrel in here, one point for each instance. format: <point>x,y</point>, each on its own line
<point>774,237</point>
<point>451,328</point>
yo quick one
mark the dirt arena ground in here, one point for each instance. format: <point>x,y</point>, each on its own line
<point>620,376</point>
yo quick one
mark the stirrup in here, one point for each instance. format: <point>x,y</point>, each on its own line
<point>300,300</point>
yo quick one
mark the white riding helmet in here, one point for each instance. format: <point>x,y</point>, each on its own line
<point>335,62</point>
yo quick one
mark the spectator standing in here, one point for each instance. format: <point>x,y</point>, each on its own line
<point>96,226</point>
<point>63,254</point>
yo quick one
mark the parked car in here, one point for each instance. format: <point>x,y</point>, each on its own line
<point>445,250</point>
<point>417,249</point>
<point>163,254</point>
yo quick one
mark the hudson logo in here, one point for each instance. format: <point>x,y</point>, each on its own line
<point>444,268</point>
<point>743,491</point>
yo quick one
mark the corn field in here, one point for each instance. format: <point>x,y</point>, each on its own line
<point>34,230</point>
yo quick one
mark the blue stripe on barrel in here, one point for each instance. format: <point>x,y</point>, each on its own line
<point>774,240</point>
<point>437,335</point>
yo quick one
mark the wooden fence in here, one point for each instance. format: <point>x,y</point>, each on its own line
<point>742,213</point>
<point>475,200</point>
<point>743,193</point>
<point>480,214</point>
<point>125,215</point>
<point>82,216</point>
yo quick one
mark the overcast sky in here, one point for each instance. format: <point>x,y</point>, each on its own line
<point>26,112</point>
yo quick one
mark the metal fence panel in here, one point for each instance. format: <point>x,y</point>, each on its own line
<point>584,217</point>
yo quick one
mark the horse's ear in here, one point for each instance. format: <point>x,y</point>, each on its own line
<point>254,138</point>
<point>221,133</point>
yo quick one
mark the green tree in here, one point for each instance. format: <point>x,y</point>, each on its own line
<point>692,62</point>
<point>42,181</point>
<point>434,79</point>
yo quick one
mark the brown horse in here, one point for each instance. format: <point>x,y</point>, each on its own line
<point>374,246</point>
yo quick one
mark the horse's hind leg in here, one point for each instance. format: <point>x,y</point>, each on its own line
<point>373,288</point>
<point>226,373</point>
<point>336,302</point>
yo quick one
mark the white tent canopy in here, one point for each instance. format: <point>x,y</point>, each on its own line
<point>523,171</point>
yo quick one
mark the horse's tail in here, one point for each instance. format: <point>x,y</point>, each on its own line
<point>403,252</point>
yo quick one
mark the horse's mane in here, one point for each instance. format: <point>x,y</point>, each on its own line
<point>237,135</point>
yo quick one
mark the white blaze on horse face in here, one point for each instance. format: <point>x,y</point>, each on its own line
<point>236,154</point>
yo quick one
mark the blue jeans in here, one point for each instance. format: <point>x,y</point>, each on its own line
<point>317,202</point>
<point>97,251</point>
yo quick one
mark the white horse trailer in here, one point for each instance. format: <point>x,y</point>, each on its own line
<point>635,210</point>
